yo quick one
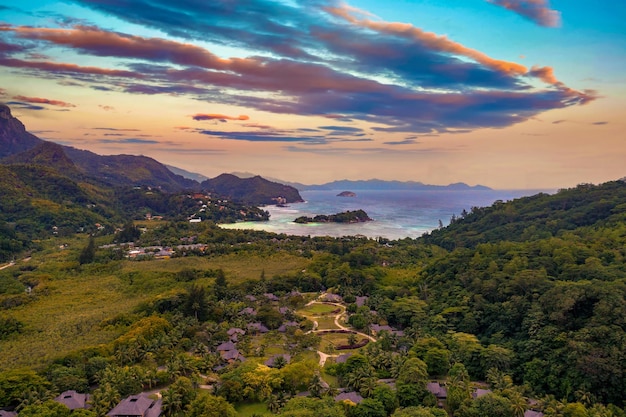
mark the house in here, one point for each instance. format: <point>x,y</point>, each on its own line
<point>137,406</point>
<point>73,400</point>
<point>234,333</point>
<point>349,396</point>
<point>437,390</point>
<point>284,326</point>
<point>332,298</point>
<point>272,360</point>
<point>360,301</point>
<point>226,346</point>
<point>232,355</point>
<point>480,392</point>
<point>377,328</point>
<point>271,297</point>
<point>249,311</point>
<point>342,358</point>
<point>257,328</point>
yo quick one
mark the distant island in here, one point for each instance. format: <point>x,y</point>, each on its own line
<point>346,194</point>
<point>355,216</point>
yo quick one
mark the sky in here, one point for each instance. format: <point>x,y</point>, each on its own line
<point>511,94</point>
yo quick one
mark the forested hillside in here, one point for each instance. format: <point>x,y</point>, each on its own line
<point>515,307</point>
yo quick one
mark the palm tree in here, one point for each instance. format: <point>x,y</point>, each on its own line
<point>368,386</point>
<point>316,387</point>
<point>172,403</point>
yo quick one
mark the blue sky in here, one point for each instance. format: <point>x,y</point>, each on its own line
<point>505,93</point>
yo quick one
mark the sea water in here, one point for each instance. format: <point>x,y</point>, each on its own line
<point>396,214</point>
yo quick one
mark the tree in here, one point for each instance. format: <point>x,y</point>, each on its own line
<point>195,303</point>
<point>15,383</point>
<point>211,406</point>
<point>178,396</point>
<point>414,371</point>
<point>491,405</point>
<point>48,408</point>
<point>220,287</point>
<point>369,407</point>
<point>387,397</point>
<point>437,361</point>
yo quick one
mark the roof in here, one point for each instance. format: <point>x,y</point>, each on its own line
<point>533,413</point>
<point>349,396</point>
<point>378,328</point>
<point>360,301</point>
<point>4,413</point>
<point>332,297</point>
<point>249,311</point>
<point>271,361</point>
<point>137,405</point>
<point>437,390</point>
<point>226,346</point>
<point>271,296</point>
<point>231,355</point>
<point>480,392</point>
<point>258,327</point>
<point>342,358</point>
<point>234,330</point>
<point>73,400</point>
<point>283,327</point>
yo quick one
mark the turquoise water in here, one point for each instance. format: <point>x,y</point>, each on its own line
<point>396,214</point>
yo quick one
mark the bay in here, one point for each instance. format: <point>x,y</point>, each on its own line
<point>396,214</point>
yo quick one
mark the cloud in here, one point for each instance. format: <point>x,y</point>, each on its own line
<point>129,141</point>
<point>39,100</point>
<point>600,123</point>
<point>302,57</point>
<point>115,129</point>
<point>25,106</point>
<point>222,117</point>
<point>536,10</point>
<point>411,140</point>
<point>106,108</point>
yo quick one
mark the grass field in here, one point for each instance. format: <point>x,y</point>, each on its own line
<point>247,410</point>
<point>70,301</point>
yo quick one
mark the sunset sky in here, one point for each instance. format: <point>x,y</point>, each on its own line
<point>504,93</point>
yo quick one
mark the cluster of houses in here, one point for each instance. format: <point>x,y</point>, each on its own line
<point>155,252</point>
<point>140,405</point>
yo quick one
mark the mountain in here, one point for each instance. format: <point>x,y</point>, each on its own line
<point>124,170</point>
<point>189,175</point>
<point>375,184</point>
<point>46,154</point>
<point>13,135</point>
<point>19,146</point>
<point>255,190</point>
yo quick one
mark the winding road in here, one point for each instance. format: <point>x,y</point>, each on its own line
<point>324,356</point>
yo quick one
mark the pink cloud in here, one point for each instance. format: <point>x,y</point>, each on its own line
<point>536,10</point>
<point>201,116</point>
<point>39,100</point>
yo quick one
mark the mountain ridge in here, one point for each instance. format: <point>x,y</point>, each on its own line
<point>19,146</point>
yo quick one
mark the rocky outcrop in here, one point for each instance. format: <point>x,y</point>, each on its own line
<point>13,135</point>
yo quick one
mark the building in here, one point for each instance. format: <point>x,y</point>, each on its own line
<point>137,406</point>
<point>73,400</point>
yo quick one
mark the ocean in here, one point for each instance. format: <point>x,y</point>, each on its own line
<point>396,214</point>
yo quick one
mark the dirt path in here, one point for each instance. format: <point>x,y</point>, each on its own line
<point>324,357</point>
<point>7,265</point>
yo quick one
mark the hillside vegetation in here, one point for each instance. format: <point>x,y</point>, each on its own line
<point>526,298</point>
